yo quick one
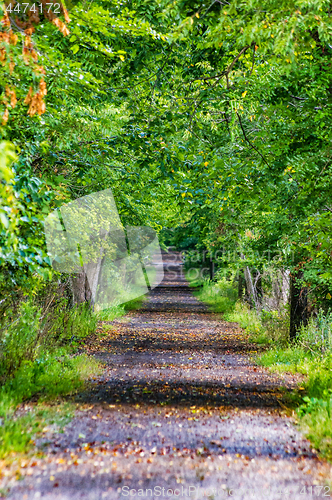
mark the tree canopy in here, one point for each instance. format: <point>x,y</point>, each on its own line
<point>210,116</point>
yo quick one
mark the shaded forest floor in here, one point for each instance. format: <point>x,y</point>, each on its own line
<point>181,406</point>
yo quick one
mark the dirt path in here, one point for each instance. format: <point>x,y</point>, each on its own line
<point>179,412</point>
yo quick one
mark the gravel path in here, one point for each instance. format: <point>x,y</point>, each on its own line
<point>179,412</point>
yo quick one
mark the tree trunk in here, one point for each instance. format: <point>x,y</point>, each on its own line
<point>85,284</point>
<point>240,288</point>
<point>251,288</point>
<point>92,273</point>
<point>211,269</point>
<point>298,306</point>
<point>280,288</point>
<point>258,285</point>
<point>80,288</point>
<point>285,286</point>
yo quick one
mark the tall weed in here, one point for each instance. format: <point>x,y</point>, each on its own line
<point>316,336</point>
<point>36,360</point>
<point>19,339</point>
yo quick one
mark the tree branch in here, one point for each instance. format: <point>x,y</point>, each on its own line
<point>230,67</point>
<point>249,142</point>
<point>253,59</point>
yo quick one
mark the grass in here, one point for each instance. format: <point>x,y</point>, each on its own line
<point>45,380</point>
<point>19,431</point>
<point>310,355</point>
<point>220,296</point>
<point>315,410</point>
<point>249,320</point>
<point>111,313</point>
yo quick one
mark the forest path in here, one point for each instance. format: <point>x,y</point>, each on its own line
<point>180,411</point>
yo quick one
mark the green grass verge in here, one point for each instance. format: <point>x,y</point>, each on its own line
<point>18,432</point>
<point>111,313</point>
<point>46,380</point>
<point>315,410</point>
<point>220,296</point>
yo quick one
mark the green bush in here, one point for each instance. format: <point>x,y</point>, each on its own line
<point>276,326</point>
<point>36,360</point>
<point>65,325</point>
<point>50,375</point>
